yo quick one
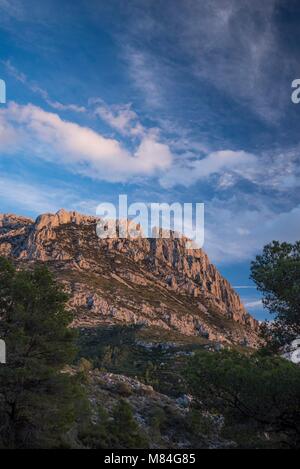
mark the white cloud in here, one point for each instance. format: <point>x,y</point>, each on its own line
<point>219,162</point>
<point>88,152</point>
<point>82,149</point>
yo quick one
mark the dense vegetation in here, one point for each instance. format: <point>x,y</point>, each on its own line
<point>155,358</point>
<point>257,395</point>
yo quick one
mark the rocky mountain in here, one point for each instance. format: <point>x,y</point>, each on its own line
<point>155,282</point>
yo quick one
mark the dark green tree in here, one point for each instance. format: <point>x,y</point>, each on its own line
<point>277,275</point>
<point>120,431</point>
<point>37,399</point>
<point>124,430</point>
<point>258,395</point>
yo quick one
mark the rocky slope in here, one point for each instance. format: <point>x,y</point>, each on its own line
<point>164,422</point>
<point>157,282</point>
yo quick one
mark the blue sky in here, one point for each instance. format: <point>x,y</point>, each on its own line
<point>166,101</point>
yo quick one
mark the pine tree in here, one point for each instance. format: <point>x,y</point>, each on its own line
<point>37,399</point>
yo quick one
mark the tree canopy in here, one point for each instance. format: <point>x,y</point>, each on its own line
<point>37,400</point>
<point>258,395</point>
<point>276,273</point>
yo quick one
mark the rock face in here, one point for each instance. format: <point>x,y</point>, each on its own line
<point>157,282</point>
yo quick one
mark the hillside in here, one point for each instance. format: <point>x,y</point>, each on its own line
<point>156,283</point>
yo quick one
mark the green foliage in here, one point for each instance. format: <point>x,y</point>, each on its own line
<point>158,420</point>
<point>96,435</point>
<point>84,369</point>
<point>121,431</point>
<point>116,349</point>
<point>107,347</point>
<point>258,393</point>
<point>201,424</point>
<point>277,275</point>
<point>124,429</point>
<point>37,400</point>
<point>151,373</point>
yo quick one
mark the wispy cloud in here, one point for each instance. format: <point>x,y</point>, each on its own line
<point>189,171</point>
<point>146,72</point>
<point>21,77</point>
<point>232,46</point>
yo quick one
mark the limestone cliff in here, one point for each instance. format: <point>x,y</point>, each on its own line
<point>155,281</point>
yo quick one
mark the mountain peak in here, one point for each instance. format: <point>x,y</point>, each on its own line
<point>155,281</point>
